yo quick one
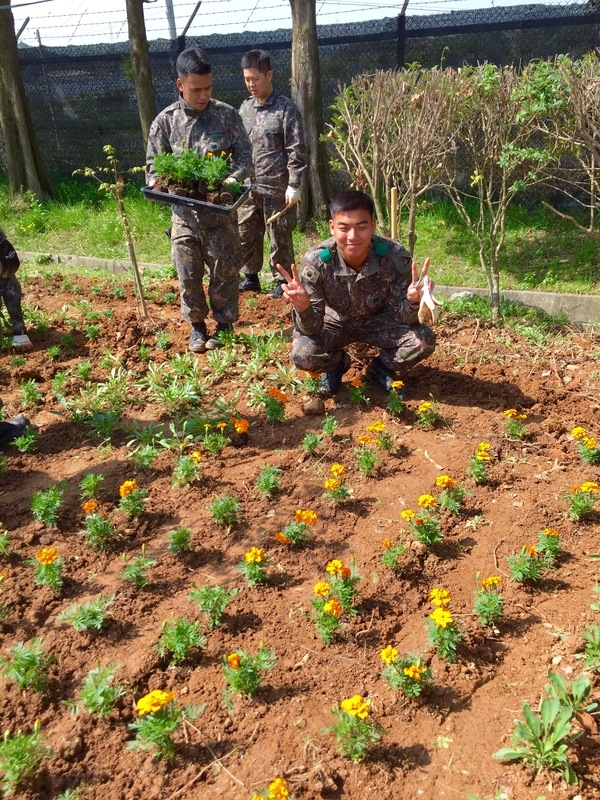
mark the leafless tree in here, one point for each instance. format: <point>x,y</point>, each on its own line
<point>140,59</point>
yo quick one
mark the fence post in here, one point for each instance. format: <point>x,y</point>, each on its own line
<point>400,41</point>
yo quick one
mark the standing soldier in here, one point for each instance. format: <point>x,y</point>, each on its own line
<point>10,292</point>
<point>274,125</point>
<point>202,238</point>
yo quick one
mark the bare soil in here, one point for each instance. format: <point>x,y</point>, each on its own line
<point>437,746</point>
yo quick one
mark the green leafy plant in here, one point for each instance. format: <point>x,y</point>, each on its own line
<point>46,504</point>
<point>98,695</point>
<point>549,546</point>
<point>178,637</point>
<point>527,565</point>
<point>395,398</point>
<point>428,414</point>
<point>225,510</point>
<point>452,495</point>
<point>542,741</point>
<point>48,567</point>
<point>591,648</point>
<point>477,467</point>
<point>409,675</point>
<point>366,459</point>
<point>574,696</point>
<point>330,425</point>
<point>424,526</point>
<point>298,532</point>
<point>582,500</point>
<point>254,566</point>
<point>354,730</point>
<point>20,756</point>
<point>515,429</point>
<point>90,485</point>
<point>31,396</point>
<point>163,340</point>
<point>179,541</point>
<point>27,664</point>
<point>27,441</point>
<point>392,554</point>
<point>133,498</point>
<point>187,470</point>
<point>212,602</point>
<point>357,393</point>
<point>488,603</point>
<point>87,616</point>
<point>327,612</point>
<point>587,446</point>
<point>443,630</point>
<point>243,671</point>
<point>267,481</point>
<point>98,531</point>
<point>311,442</point>
<point>135,570</point>
<point>158,718</point>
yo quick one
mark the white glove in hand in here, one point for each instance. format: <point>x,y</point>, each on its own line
<point>292,196</point>
<point>229,179</point>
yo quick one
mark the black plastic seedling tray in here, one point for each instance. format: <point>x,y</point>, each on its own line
<point>189,202</point>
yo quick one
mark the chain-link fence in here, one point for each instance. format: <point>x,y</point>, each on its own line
<point>83,97</point>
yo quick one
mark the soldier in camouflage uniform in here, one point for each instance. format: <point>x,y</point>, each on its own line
<point>274,125</point>
<point>10,292</point>
<point>356,287</point>
<point>200,238</point>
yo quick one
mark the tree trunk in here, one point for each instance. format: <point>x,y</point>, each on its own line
<point>140,60</point>
<point>306,92</point>
<point>26,169</point>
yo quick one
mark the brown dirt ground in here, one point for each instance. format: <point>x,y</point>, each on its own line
<point>438,746</point>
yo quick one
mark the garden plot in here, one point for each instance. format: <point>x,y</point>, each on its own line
<point>213,477</point>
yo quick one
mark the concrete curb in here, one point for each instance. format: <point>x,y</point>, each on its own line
<point>580,309</point>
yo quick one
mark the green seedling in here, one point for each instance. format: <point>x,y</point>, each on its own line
<point>98,531</point>
<point>46,505</point>
<point>135,571</point>
<point>87,616</point>
<point>225,510</point>
<point>27,664</point>
<point>179,541</point>
<point>178,637</point>
<point>243,672</point>
<point>268,482</point>
<point>97,694</point>
<point>20,756</point>
<point>212,601</point>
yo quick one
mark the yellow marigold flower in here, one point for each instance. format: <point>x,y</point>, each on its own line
<point>445,481</point>
<point>482,455</point>
<point>277,395</point>
<point>127,488</point>
<point>255,555</point>
<point>376,427</point>
<point>278,789</point>
<point>589,486</point>
<point>589,442</point>
<point>397,384</point>
<point>440,597</point>
<point>386,543</point>
<point>414,672</point>
<point>241,425</point>
<point>47,555</point>
<point>322,589</point>
<point>234,660</point>
<point>338,470</point>
<point>476,178</point>
<point>510,412</point>
<point>281,537</point>
<point>334,567</point>
<point>223,153</point>
<point>357,383</point>
<point>531,550</point>
<point>207,426</point>
<point>426,406</point>
<point>221,425</point>
<point>153,702</point>
<point>356,706</point>
<point>309,517</point>
<point>389,654</point>
<point>484,446</point>
<point>551,532</point>
<point>210,154</point>
<point>89,506</point>
<point>578,432</point>
<point>442,617</point>
<point>196,457</point>
<point>365,439</point>
<point>3,577</point>
<point>408,514</point>
<point>333,607</point>
<point>331,484</point>
<point>426,501</point>
<point>493,580</point>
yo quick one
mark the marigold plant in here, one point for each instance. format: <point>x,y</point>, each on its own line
<point>133,499</point>
<point>48,567</point>
<point>527,566</point>
<point>276,790</point>
<point>424,526</point>
<point>357,392</point>
<point>354,729</point>
<point>444,631</point>
<point>409,674</point>
<point>587,446</point>
<point>515,429</point>
<point>582,500</point>
<point>395,398</point>
<point>488,603</point>
<point>392,554</point>
<point>298,532</point>
<point>335,487</point>
<point>549,546</point>
<point>428,414</point>
<point>243,672</point>
<point>254,566</point>
<point>158,719</point>
<point>452,495</point>
<point>477,467</point>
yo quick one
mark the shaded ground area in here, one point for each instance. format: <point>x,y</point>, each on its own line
<point>437,746</point>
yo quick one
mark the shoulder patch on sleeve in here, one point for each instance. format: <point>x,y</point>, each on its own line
<point>310,273</point>
<point>325,255</point>
<point>381,248</point>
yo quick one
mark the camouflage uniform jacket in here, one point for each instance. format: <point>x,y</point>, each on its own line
<point>218,128</point>
<point>338,292</point>
<point>275,130</point>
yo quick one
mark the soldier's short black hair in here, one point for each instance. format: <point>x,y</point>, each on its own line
<point>351,200</point>
<point>257,59</point>
<point>192,61</point>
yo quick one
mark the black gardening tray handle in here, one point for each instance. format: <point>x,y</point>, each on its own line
<point>189,202</point>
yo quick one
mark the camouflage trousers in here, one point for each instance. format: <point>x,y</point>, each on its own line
<point>401,346</point>
<point>10,292</point>
<point>253,216</point>
<point>213,242</point>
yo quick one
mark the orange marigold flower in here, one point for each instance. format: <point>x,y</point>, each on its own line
<point>389,654</point>
<point>127,487</point>
<point>356,706</point>
<point>492,581</point>
<point>551,532</point>
<point>313,375</point>
<point>426,500</point>
<point>357,383</point>
<point>309,516</point>
<point>386,543</point>
<point>241,425</point>
<point>322,589</point>
<point>442,617</point>
<point>510,412</point>
<point>531,550</point>
<point>89,506</point>
<point>338,470</point>
<point>47,555</point>
<point>397,384</point>
<point>153,702</point>
<point>281,537</point>
<point>255,555</point>
<point>221,425</point>
<point>333,607</point>
<point>408,514</point>
<point>414,672</point>
<point>334,567</point>
<point>365,439</point>
<point>331,484</point>
<point>234,660</point>
<point>440,597</point>
<point>345,572</point>
<point>445,481</point>
<point>277,395</point>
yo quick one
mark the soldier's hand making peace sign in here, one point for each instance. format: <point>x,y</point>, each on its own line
<point>293,289</point>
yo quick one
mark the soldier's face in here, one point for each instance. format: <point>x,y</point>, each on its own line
<point>196,89</point>
<point>352,231</point>
<point>259,84</point>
